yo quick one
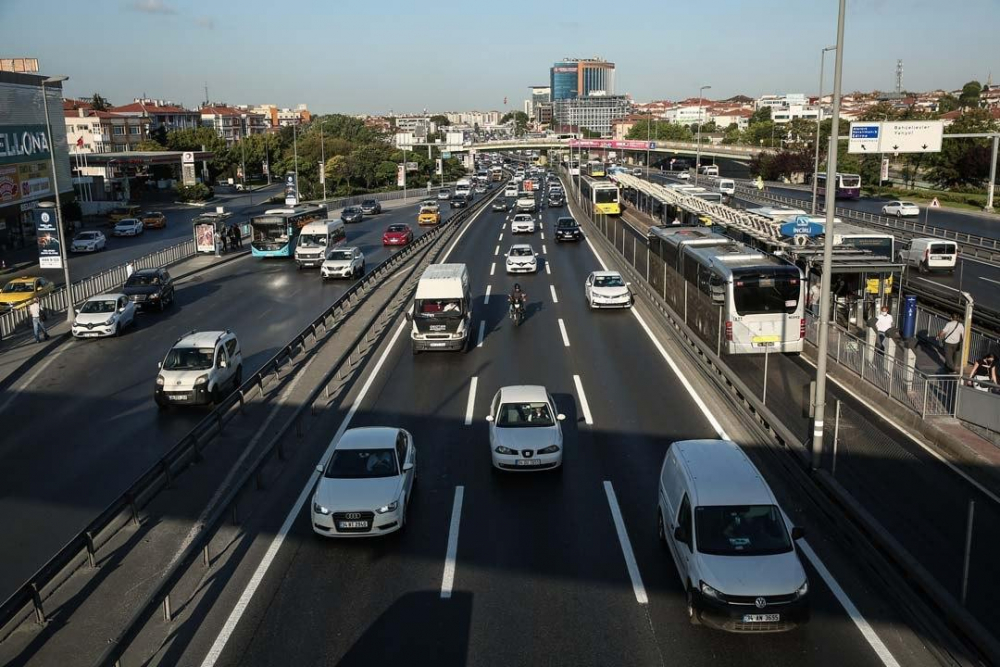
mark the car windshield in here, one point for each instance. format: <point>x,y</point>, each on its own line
<point>370,202</point>
<point>397,228</point>
<point>606,196</point>
<point>142,280</point>
<point>521,252</point>
<point>86,236</point>
<point>741,530</point>
<point>362,463</point>
<point>99,306</point>
<point>339,254</point>
<point>608,281</point>
<point>567,224</point>
<point>439,307</point>
<point>126,223</point>
<point>18,288</point>
<point>312,240</point>
<point>524,415</point>
<point>189,359</point>
<point>350,210</point>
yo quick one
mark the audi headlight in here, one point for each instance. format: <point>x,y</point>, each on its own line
<point>803,590</point>
<point>709,592</point>
<point>391,507</point>
<point>319,509</point>
<point>551,449</point>
<point>500,449</point>
<point>202,379</point>
<point>159,380</point>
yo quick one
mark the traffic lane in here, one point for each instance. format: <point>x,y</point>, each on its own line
<point>91,408</point>
<point>978,279</point>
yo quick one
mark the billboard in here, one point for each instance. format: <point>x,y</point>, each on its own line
<point>24,182</point>
<point>630,145</point>
<point>401,175</point>
<point>20,143</point>
<point>47,233</point>
<point>291,189</point>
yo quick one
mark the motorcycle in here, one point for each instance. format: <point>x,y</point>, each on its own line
<point>516,312</point>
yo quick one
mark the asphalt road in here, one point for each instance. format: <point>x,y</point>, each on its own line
<point>83,426</point>
<point>540,576</point>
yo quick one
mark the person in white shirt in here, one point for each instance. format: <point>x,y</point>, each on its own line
<point>951,335</point>
<point>882,324</point>
<point>129,269</point>
<point>35,311</point>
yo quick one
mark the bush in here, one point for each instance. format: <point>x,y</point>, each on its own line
<point>196,192</point>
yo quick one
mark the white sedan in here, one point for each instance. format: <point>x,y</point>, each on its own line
<point>525,433</point>
<point>607,289</point>
<point>901,209</point>
<point>521,258</point>
<point>128,227</point>
<point>103,315</point>
<point>684,176</point>
<point>365,487</point>
<point>343,263</point>
<point>523,223</point>
<point>88,242</point>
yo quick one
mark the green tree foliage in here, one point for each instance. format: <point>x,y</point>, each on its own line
<point>947,103</point>
<point>970,94</point>
<point>99,102</point>
<point>660,130</point>
<point>150,145</point>
<point>203,138</point>
<point>196,192</point>
<point>964,162</point>
<point>520,120</point>
<point>761,115</point>
<point>781,165</point>
<point>440,120</point>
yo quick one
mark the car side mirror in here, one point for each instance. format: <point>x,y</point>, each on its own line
<point>560,417</point>
<point>489,418</point>
<point>222,363</point>
<point>159,365</point>
<point>680,535</point>
<point>319,468</point>
<point>407,467</point>
<point>409,316</point>
<point>798,533</point>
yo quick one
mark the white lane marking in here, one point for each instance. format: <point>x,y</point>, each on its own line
<point>31,378</point>
<point>555,299</point>
<point>716,426</point>
<point>501,237</point>
<point>584,405</point>
<point>482,332</point>
<point>543,234</point>
<point>496,251</point>
<point>633,568</point>
<point>562,330</point>
<point>272,551</point>
<point>544,250</point>
<point>503,226</point>
<point>470,406</point>
<point>547,269</point>
<point>493,268</point>
<point>448,576</point>
<point>486,299</point>
<point>862,624</point>
<point>261,316</point>
<point>990,280</point>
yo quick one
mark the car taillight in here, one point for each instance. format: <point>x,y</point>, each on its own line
<point>802,328</point>
<point>729,331</point>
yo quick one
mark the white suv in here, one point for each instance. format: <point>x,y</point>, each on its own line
<point>199,368</point>
<point>343,263</point>
<point>523,223</point>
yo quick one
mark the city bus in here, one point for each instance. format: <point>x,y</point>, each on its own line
<point>737,299</point>
<point>603,195</point>
<point>595,169</point>
<point>496,174</point>
<point>848,186</point>
<point>274,233</point>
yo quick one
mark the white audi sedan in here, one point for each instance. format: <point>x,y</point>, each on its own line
<point>128,227</point>
<point>525,433</point>
<point>103,315</point>
<point>607,289</point>
<point>343,263</point>
<point>91,241</point>
<point>521,258</point>
<point>901,209</point>
<point>365,487</point>
<point>523,223</point>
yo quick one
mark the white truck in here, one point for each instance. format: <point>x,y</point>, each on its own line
<point>441,316</point>
<point>315,239</point>
<point>526,203</point>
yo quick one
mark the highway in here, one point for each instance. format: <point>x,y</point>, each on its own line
<point>82,425</point>
<point>541,568</point>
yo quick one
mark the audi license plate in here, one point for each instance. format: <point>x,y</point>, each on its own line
<point>352,524</point>
<point>528,462</point>
<point>761,618</point>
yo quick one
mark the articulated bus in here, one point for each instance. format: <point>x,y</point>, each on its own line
<point>848,186</point>
<point>595,169</point>
<point>734,297</point>
<point>274,233</point>
<point>603,195</point>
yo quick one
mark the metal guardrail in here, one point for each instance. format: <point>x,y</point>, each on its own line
<point>392,195</point>
<point>125,509</point>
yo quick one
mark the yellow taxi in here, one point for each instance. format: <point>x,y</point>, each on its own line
<point>20,291</point>
<point>153,220</point>
<point>429,215</point>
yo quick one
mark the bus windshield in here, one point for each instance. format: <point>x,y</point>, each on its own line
<point>765,293</point>
<point>609,196</point>
<point>270,229</point>
<point>879,245</point>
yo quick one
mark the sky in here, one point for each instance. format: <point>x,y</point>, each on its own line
<point>392,55</point>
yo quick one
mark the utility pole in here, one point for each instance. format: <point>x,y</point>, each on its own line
<point>322,164</point>
<point>819,121</point>
<point>697,159</point>
<point>295,152</point>
<point>825,296</point>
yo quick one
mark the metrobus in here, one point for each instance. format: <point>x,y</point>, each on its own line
<point>595,169</point>
<point>603,195</point>
<point>848,186</point>
<point>274,233</point>
<point>878,244</point>
<point>734,297</point>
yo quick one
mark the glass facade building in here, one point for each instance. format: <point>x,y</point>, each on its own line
<point>562,81</point>
<point>572,78</point>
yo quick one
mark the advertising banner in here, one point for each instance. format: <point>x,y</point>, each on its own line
<point>628,144</point>
<point>400,175</point>
<point>291,189</point>
<point>440,167</point>
<point>21,143</point>
<point>884,174</point>
<point>10,190</point>
<point>47,233</point>
<point>412,166</point>
<point>204,237</point>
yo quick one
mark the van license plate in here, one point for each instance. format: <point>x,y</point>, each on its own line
<point>761,618</point>
<point>437,344</point>
<point>177,397</point>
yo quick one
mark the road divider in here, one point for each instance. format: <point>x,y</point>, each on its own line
<point>584,404</point>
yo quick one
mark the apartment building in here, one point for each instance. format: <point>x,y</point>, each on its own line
<point>90,131</point>
<point>232,123</point>
<point>162,114</point>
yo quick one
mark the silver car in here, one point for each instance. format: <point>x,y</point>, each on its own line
<point>525,430</point>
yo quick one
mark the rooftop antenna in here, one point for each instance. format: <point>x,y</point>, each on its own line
<point>206,93</point>
<point>899,77</point>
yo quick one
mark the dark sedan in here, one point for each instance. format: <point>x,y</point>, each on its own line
<point>150,288</point>
<point>567,230</point>
<point>371,207</point>
<point>556,200</point>
<point>352,214</point>
<point>459,201</point>
<point>499,204</point>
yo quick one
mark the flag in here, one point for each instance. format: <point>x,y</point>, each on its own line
<point>505,100</point>
<point>79,142</point>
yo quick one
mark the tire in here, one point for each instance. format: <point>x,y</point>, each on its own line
<point>238,378</point>
<point>216,396</point>
<point>414,350</point>
<point>692,613</point>
<point>923,268</point>
<point>899,214</point>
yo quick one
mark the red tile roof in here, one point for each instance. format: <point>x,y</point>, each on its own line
<point>226,111</point>
<point>90,113</point>
<point>69,104</point>
<point>151,108</point>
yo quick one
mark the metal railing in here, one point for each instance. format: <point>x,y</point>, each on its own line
<point>411,193</point>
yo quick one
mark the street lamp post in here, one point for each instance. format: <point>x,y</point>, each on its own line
<point>322,164</point>
<point>295,151</point>
<point>70,312</point>
<point>697,159</point>
<point>819,120</point>
<point>825,296</point>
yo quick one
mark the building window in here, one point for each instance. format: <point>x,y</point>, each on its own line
<point>135,130</point>
<point>118,129</point>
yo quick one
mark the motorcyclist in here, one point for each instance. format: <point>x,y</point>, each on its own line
<point>517,296</point>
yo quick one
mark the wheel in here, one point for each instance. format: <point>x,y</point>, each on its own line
<point>692,612</point>
<point>923,268</point>
<point>413,348</point>
<point>899,214</point>
<point>216,396</point>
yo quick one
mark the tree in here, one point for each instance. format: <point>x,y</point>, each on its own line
<point>150,145</point>
<point>520,120</point>
<point>99,102</point>
<point>440,120</point>
<point>587,133</point>
<point>761,115</point>
<point>660,131</point>
<point>964,162</point>
<point>947,103</point>
<point>970,94</point>
<point>338,169</point>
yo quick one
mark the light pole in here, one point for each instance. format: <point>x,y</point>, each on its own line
<point>322,164</point>
<point>825,296</point>
<point>70,312</point>
<point>697,159</point>
<point>819,120</point>
<point>295,150</point>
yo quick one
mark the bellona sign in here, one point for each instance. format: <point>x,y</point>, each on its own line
<point>23,143</point>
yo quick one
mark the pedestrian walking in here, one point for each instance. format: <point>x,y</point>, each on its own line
<point>234,236</point>
<point>129,269</point>
<point>951,335</point>
<point>37,314</point>
<point>225,240</point>
<point>882,325</point>
<point>218,243</point>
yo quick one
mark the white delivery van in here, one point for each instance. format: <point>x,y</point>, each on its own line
<point>734,553</point>
<point>727,186</point>
<point>930,255</point>
<point>463,187</point>
<point>315,239</point>
<point>442,309</point>
<point>710,170</point>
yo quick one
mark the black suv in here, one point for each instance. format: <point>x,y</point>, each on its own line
<point>150,288</point>
<point>459,200</point>
<point>371,207</point>
<point>352,214</point>
<point>567,230</point>
<point>556,200</point>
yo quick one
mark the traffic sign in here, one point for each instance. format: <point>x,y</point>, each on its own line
<point>912,136</point>
<point>864,138</point>
<point>445,155</point>
<point>934,203</point>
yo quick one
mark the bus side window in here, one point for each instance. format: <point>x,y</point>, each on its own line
<point>717,289</point>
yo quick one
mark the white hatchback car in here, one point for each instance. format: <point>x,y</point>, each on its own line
<point>128,227</point>
<point>525,433</point>
<point>343,263</point>
<point>521,258</point>
<point>364,489</point>
<point>103,315</point>
<point>607,289</point>
<point>523,223</point>
<point>901,209</point>
<point>90,241</point>
<point>510,191</point>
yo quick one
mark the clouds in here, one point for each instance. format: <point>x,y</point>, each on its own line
<point>151,7</point>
